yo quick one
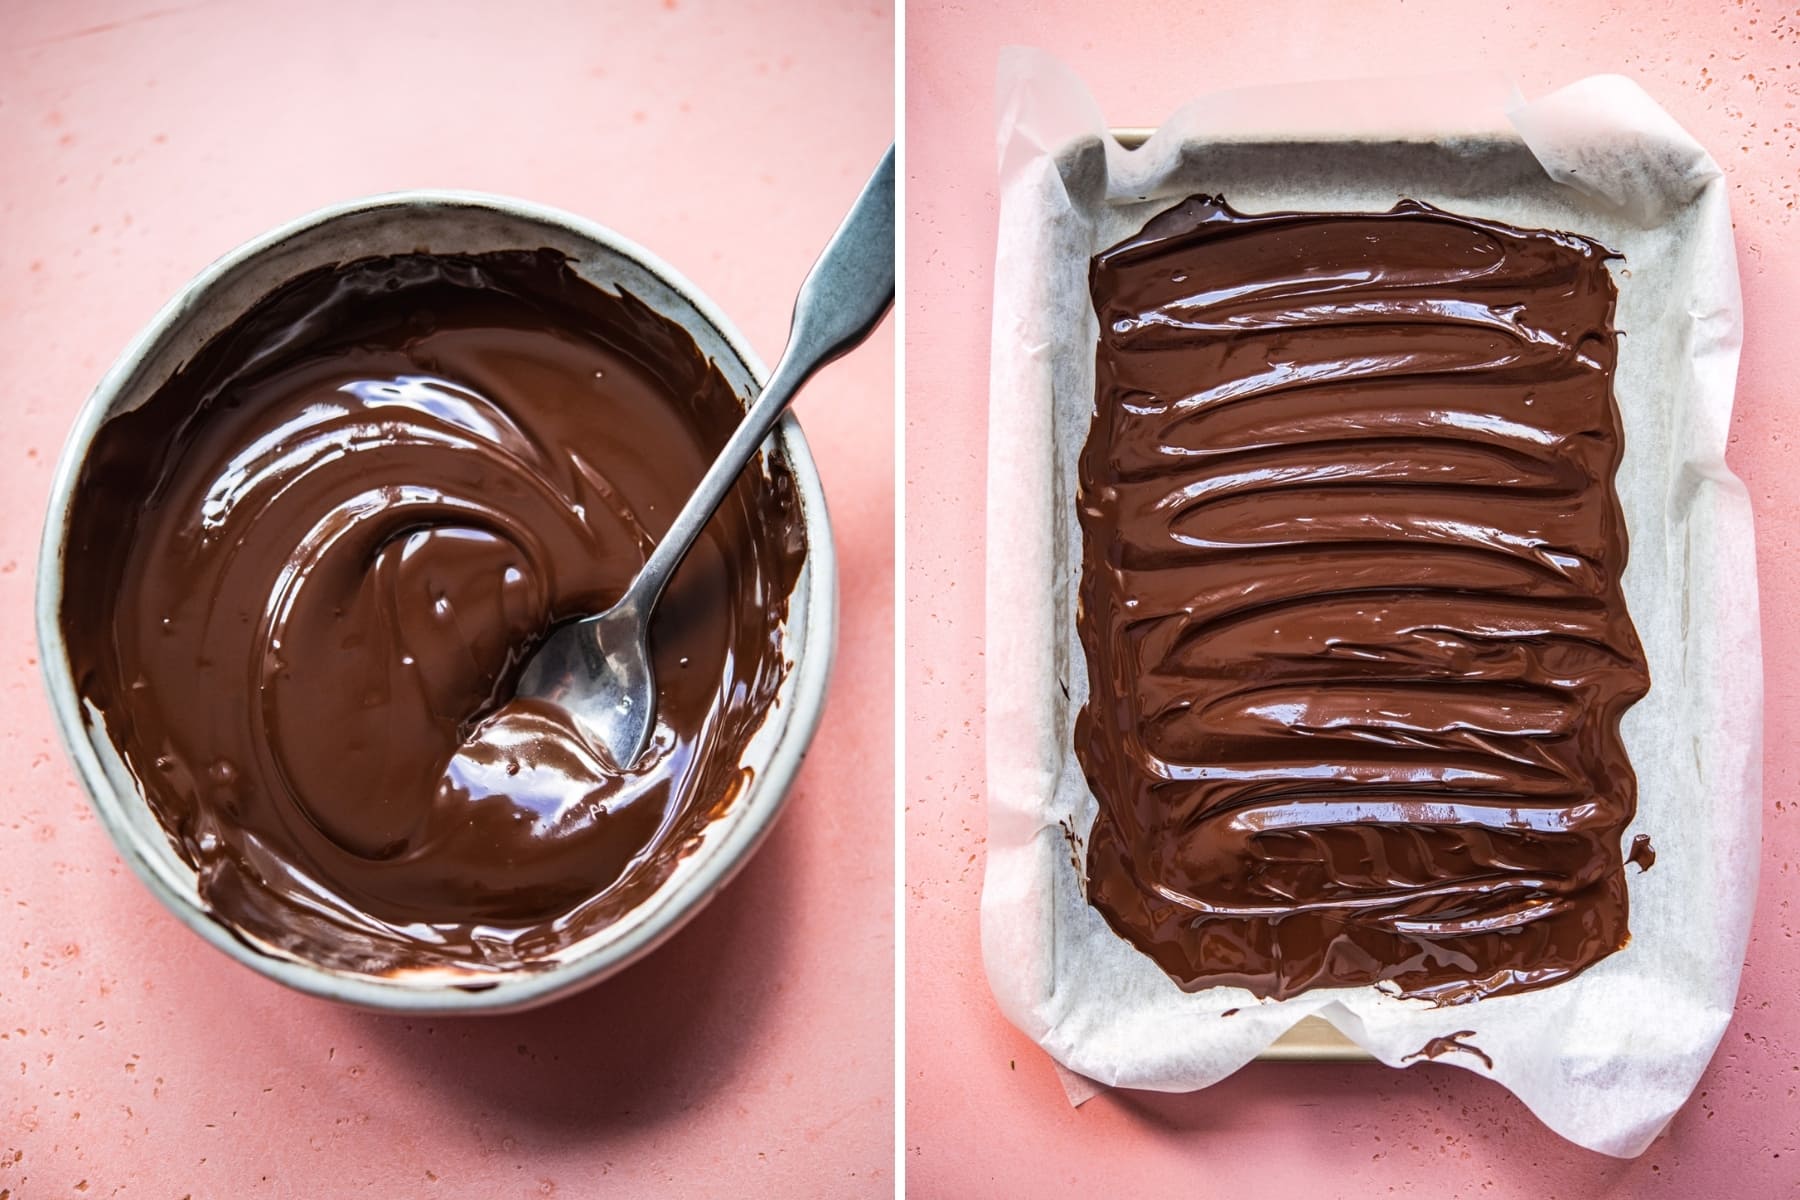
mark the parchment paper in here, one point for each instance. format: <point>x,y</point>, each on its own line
<point>1604,1059</point>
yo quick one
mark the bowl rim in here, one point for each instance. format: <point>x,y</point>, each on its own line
<point>813,603</point>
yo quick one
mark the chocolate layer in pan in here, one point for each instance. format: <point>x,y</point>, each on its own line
<point>1357,650</point>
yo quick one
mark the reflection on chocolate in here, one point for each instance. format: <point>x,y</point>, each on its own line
<point>303,576</point>
<point>1357,650</point>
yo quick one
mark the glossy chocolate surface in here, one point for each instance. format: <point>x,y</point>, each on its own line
<point>302,577</point>
<point>1357,651</point>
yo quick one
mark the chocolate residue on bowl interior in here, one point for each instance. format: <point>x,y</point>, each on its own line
<point>1356,642</point>
<point>302,577</point>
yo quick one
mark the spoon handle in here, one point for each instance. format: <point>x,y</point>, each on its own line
<point>845,296</point>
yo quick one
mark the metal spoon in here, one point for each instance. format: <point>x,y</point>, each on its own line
<point>598,668</point>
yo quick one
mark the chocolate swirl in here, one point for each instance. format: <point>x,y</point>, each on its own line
<point>304,576</point>
<point>1357,650</point>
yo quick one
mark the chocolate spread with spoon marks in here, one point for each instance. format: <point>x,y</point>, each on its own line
<point>1357,648</point>
<point>302,576</point>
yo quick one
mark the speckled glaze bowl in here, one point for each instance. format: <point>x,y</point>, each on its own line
<point>443,222</point>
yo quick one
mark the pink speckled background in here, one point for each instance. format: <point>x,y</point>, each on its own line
<point>751,1056</point>
<point>985,1115</point>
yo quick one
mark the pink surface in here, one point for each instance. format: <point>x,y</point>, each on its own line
<point>985,1114</point>
<point>754,1054</point>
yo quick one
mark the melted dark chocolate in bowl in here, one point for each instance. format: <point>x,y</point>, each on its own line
<point>302,577</point>
<point>1357,650</point>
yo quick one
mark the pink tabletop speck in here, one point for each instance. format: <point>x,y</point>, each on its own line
<point>753,1055</point>
<point>985,1114</point>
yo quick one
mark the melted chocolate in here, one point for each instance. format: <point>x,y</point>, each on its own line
<point>1452,1043</point>
<point>303,576</point>
<point>1357,651</point>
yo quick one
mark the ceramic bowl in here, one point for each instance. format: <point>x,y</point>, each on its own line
<point>443,222</point>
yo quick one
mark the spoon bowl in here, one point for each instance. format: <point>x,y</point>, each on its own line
<point>599,670</point>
